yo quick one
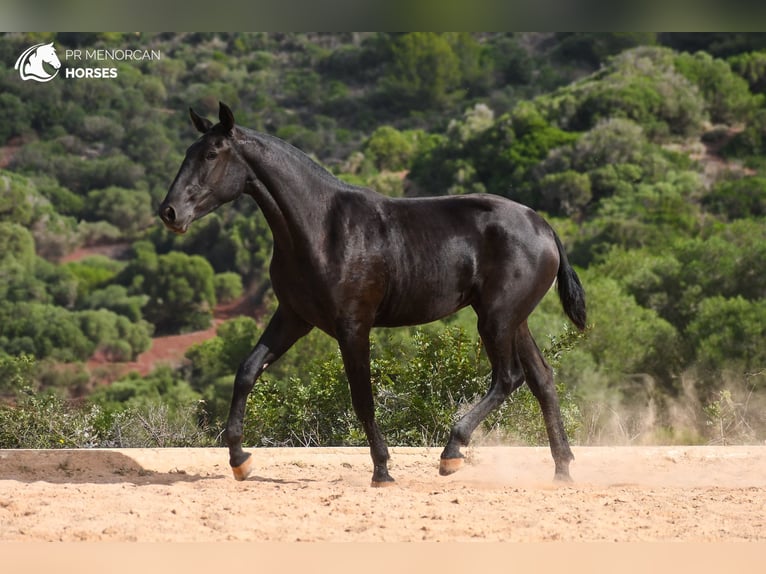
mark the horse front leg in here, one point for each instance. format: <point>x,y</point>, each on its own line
<point>354,342</point>
<point>282,332</point>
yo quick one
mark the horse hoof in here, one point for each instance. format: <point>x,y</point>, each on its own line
<point>382,483</point>
<point>449,465</point>
<point>242,471</point>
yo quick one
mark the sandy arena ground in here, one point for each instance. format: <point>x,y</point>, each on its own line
<point>695,494</point>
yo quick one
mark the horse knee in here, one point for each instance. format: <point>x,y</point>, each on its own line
<point>249,370</point>
<point>243,380</point>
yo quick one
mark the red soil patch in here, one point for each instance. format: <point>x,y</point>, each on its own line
<point>8,152</point>
<point>114,251</point>
<point>167,350</point>
<point>170,349</point>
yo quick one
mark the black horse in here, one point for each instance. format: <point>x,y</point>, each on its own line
<point>347,259</point>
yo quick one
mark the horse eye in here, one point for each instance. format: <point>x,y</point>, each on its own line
<point>211,155</point>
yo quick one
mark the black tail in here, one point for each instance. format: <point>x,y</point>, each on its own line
<point>570,289</point>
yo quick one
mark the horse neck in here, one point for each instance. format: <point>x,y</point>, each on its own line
<point>292,191</point>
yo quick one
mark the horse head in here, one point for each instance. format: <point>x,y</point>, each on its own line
<point>30,63</point>
<point>47,53</point>
<point>212,173</point>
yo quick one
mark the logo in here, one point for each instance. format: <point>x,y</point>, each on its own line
<point>30,63</point>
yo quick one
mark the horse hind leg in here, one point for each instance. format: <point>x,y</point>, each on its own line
<point>507,376</point>
<point>539,376</point>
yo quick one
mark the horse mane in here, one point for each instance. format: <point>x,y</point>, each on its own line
<point>299,156</point>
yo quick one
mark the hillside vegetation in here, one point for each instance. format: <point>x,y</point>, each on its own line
<point>645,151</point>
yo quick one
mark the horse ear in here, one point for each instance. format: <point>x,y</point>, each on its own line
<point>203,125</point>
<point>225,116</point>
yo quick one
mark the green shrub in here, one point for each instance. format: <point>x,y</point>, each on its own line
<point>46,421</point>
<point>158,425</point>
<point>421,386</point>
<point>738,198</point>
<point>729,331</point>
<point>15,372</point>
<point>180,288</point>
<point>727,95</point>
<point>389,148</point>
<point>228,286</point>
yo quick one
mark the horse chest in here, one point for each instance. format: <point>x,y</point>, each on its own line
<point>312,291</point>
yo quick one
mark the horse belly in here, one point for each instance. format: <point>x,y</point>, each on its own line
<point>416,313</point>
<point>426,293</point>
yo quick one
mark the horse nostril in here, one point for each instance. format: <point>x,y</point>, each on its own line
<point>169,214</point>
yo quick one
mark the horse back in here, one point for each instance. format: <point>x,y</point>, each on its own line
<point>443,253</point>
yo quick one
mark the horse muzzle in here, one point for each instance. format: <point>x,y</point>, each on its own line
<point>169,217</point>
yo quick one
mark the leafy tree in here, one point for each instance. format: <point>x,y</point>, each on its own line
<point>16,198</point>
<point>16,242</point>
<point>641,216</point>
<point>181,292</point>
<point>130,210</point>
<point>718,44</point>
<point>147,143</point>
<point>642,85</point>
<point>42,330</point>
<point>497,159</point>
<point>119,338</point>
<point>475,120</point>
<point>475,66</point>
<point>726,331</point>
<point>752,67</point>
<point>102,130</point>
<point>424,70</point>
<point>751,141</point>
<point>238,241</point>
<point>566,192</point>
<point>60,286</point>
<point>726,94</point>
<point>512,64</point>
<point>92,273</point>
<point>657,281</point>
<point>594,49</point>
<point>729,262</point>
<point>63,200</point>
<point>640,342</point>
<point>14,118</point>
<point>389,148</point>
<point>75,171</point>
<point>737,198</point>
<point>228,286</point>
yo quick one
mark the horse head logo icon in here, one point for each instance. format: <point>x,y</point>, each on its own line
<point>30,63</point>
